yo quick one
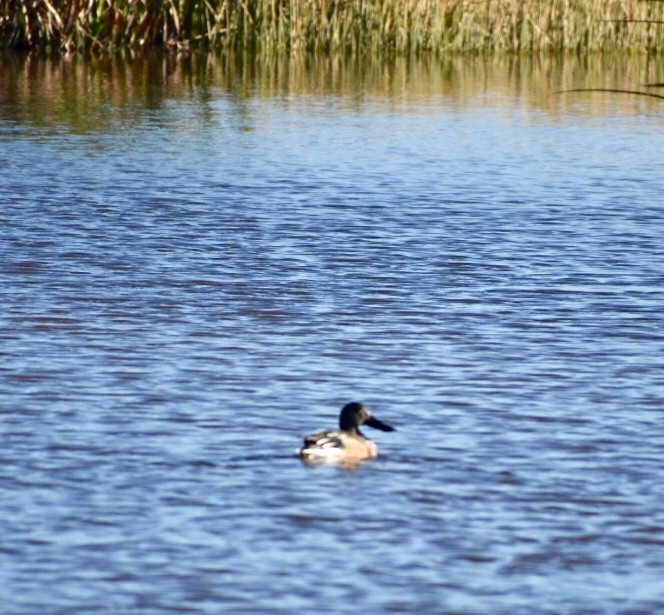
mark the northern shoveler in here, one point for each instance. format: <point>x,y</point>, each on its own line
<point>347,444</point>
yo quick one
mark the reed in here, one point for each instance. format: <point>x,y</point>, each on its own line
<point>402,26</point>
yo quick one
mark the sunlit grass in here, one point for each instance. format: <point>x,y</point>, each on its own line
<point>403,26</point>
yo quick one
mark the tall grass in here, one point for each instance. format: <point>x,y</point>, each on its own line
<point>402,26</point>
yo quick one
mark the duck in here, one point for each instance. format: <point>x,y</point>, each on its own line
<point>346,444</point>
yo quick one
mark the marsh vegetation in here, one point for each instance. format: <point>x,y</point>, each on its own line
<point>403,26</point>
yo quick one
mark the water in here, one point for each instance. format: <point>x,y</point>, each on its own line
<point>200,267</point>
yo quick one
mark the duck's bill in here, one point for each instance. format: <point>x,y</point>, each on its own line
<point>376,424</point>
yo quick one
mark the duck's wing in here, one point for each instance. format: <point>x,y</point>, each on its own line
<point>337,446</point>
<point>327,444</point>
<point>325,439</point>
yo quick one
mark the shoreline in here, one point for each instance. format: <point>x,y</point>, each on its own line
<point>351,26</point>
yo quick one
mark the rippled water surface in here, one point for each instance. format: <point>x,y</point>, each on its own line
<point>197,268</point>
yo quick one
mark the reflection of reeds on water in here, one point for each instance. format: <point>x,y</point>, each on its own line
<point>113,91</point>
<point>348,25</point>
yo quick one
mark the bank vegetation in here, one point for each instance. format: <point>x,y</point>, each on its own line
<point>401,26</point>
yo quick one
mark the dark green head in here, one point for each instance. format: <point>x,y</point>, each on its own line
<point>355,414</point>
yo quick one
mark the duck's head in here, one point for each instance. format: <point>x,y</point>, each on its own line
<point>355,414</point>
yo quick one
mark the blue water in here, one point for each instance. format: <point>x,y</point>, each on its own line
<point>192,286</point>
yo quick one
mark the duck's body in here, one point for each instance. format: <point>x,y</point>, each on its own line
<point>346,444</point>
